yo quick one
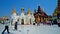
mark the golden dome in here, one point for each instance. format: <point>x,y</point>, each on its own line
<point>29,11</point>
<point>14,11</point>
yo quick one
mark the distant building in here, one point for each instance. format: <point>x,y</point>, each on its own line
<point>40,15</point>
<point>22,19</point>
<point>2,19</point>
<point>56,13</point>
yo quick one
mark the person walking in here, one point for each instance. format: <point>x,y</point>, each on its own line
<point>15,25</point>
<point>6,26</point>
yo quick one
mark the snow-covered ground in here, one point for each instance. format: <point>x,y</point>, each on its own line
<point>33,29</point>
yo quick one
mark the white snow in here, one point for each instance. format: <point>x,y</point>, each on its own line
<point>32,29</point>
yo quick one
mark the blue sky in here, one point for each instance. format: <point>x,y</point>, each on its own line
<point>6,6</point>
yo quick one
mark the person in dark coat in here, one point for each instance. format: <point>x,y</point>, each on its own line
<point>15,25</point>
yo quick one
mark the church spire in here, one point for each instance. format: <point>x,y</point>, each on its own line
<point>22,9</point>
<point>57,10</point>
<point>29,11</point>
<point>58,5</point>
<point>39,9</point>
<point>14,10</point>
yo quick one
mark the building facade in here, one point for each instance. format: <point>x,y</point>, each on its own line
<point>40,15</point>
<point>23,18</point>
<point>56,13</point>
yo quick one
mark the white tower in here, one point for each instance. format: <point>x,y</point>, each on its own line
<point>28,17</point>
<point>14,16</point>
<point>23,17</point>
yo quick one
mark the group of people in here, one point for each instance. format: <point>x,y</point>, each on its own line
<point>7,26</point>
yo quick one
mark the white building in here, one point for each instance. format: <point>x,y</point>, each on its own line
<point>22,19</point>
